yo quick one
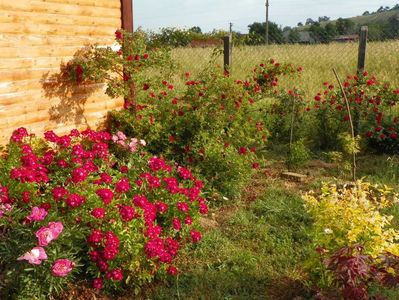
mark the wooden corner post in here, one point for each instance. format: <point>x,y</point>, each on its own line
<point>361,62</point>
<point>127,15</point>
<point>228,52</point>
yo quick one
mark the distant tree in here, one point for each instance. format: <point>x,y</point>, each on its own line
<point>293,36</point>
<point>381,9</point>
<point>323,19</point>
<point>395,7</point>
<point>345,26</point>
<point>287,28</point>
<point>393,27</point>
<point>331,30</point>
<point>299,24</point>
<point>366,13</point>
<point>195,29</point>
<point>257,31</point>
<point>319,33</point>
<point>309,21</point>
<point>376,32</point>
<point>173,37</point>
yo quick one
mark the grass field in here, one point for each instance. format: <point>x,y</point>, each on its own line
<point>382,60</point>
<point>259,246</point>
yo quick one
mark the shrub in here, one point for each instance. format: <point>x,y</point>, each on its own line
<point>298,155</point>
<point>384,137</point>
<point>285,117</point>
<point>357,275</point>
<point>130,64</point>
<point>181,123</point>
<point>70,207</point>
<point>210,125</point>
<point>370,103</point>
<point>349,216</point>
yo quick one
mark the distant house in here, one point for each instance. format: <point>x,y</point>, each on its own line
<point>346,38</point>
<point>306,38</point>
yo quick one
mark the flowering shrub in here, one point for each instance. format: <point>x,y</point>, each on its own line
<point>286,114</point>
<point>70,207</point>
<point>384,137</point>
<point>266,76</point>
<point>349,216</point>
<point>370,103</point>
<point>209,125</point>
<point>129,64</point>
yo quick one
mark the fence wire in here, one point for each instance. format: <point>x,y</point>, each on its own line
<point>317,60</point>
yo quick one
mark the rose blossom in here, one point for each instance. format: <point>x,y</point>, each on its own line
<point>62,267</point>
<point>46,234</point>
<point>34,256</point>
<point>37,214</point>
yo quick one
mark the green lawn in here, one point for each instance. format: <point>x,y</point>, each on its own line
<point>258,248</point>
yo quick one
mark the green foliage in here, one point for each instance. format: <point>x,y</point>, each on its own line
<point>293,36</point>
<point>347,216</point>
<point>370,101</point>
<point>348,144</point>
<point>298,155</point>
<point>257,32</point>
<point>345,26</point>
<point>209,124</point>
<point>131,63</point>
<point>254,254</point>
<point>320,34</point>
<point>285,115</point>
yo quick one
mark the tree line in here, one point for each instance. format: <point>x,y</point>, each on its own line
<point>321,31</point>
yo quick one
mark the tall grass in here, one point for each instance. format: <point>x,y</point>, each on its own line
<point>382,60</point>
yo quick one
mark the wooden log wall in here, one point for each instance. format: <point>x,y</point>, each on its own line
<point>36,37</point>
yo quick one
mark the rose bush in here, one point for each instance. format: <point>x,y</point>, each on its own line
<point>209,124</point>
<point>371,104</point>
<point>94,205</point>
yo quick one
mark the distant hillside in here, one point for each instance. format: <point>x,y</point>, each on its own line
<point>374,18</point>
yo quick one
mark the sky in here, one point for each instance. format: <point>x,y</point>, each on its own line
<point>217,14</point>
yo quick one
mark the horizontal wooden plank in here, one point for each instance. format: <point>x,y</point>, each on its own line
<point>96,3</point>
<point>56,29</point>
<point>16,75</point>
<point>11,40</point>
<point>33,63</point>
<point>25,115</point>
<point>59,8</point>
<point>8,88</point>
<point>38,51</point>
<point>34,18</point>
<point>26,96</point>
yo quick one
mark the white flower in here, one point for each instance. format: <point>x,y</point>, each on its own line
<point>328,231</point>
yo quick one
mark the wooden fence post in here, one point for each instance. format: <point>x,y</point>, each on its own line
<point>228,52</point>
<point>127,15</point>
<point>361,62</point>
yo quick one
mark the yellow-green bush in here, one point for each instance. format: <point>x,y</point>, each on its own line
<point>353,215</point>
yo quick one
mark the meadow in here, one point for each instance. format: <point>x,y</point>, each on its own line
<point>382,60</point>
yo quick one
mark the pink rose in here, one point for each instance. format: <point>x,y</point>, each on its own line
<point>56,228</point>
<point>62,267</point>
<point>46,234</point>
<point>37,214</point>
<point>34,256</point>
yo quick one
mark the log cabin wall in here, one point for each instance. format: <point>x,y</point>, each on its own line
<point>36,38</point>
